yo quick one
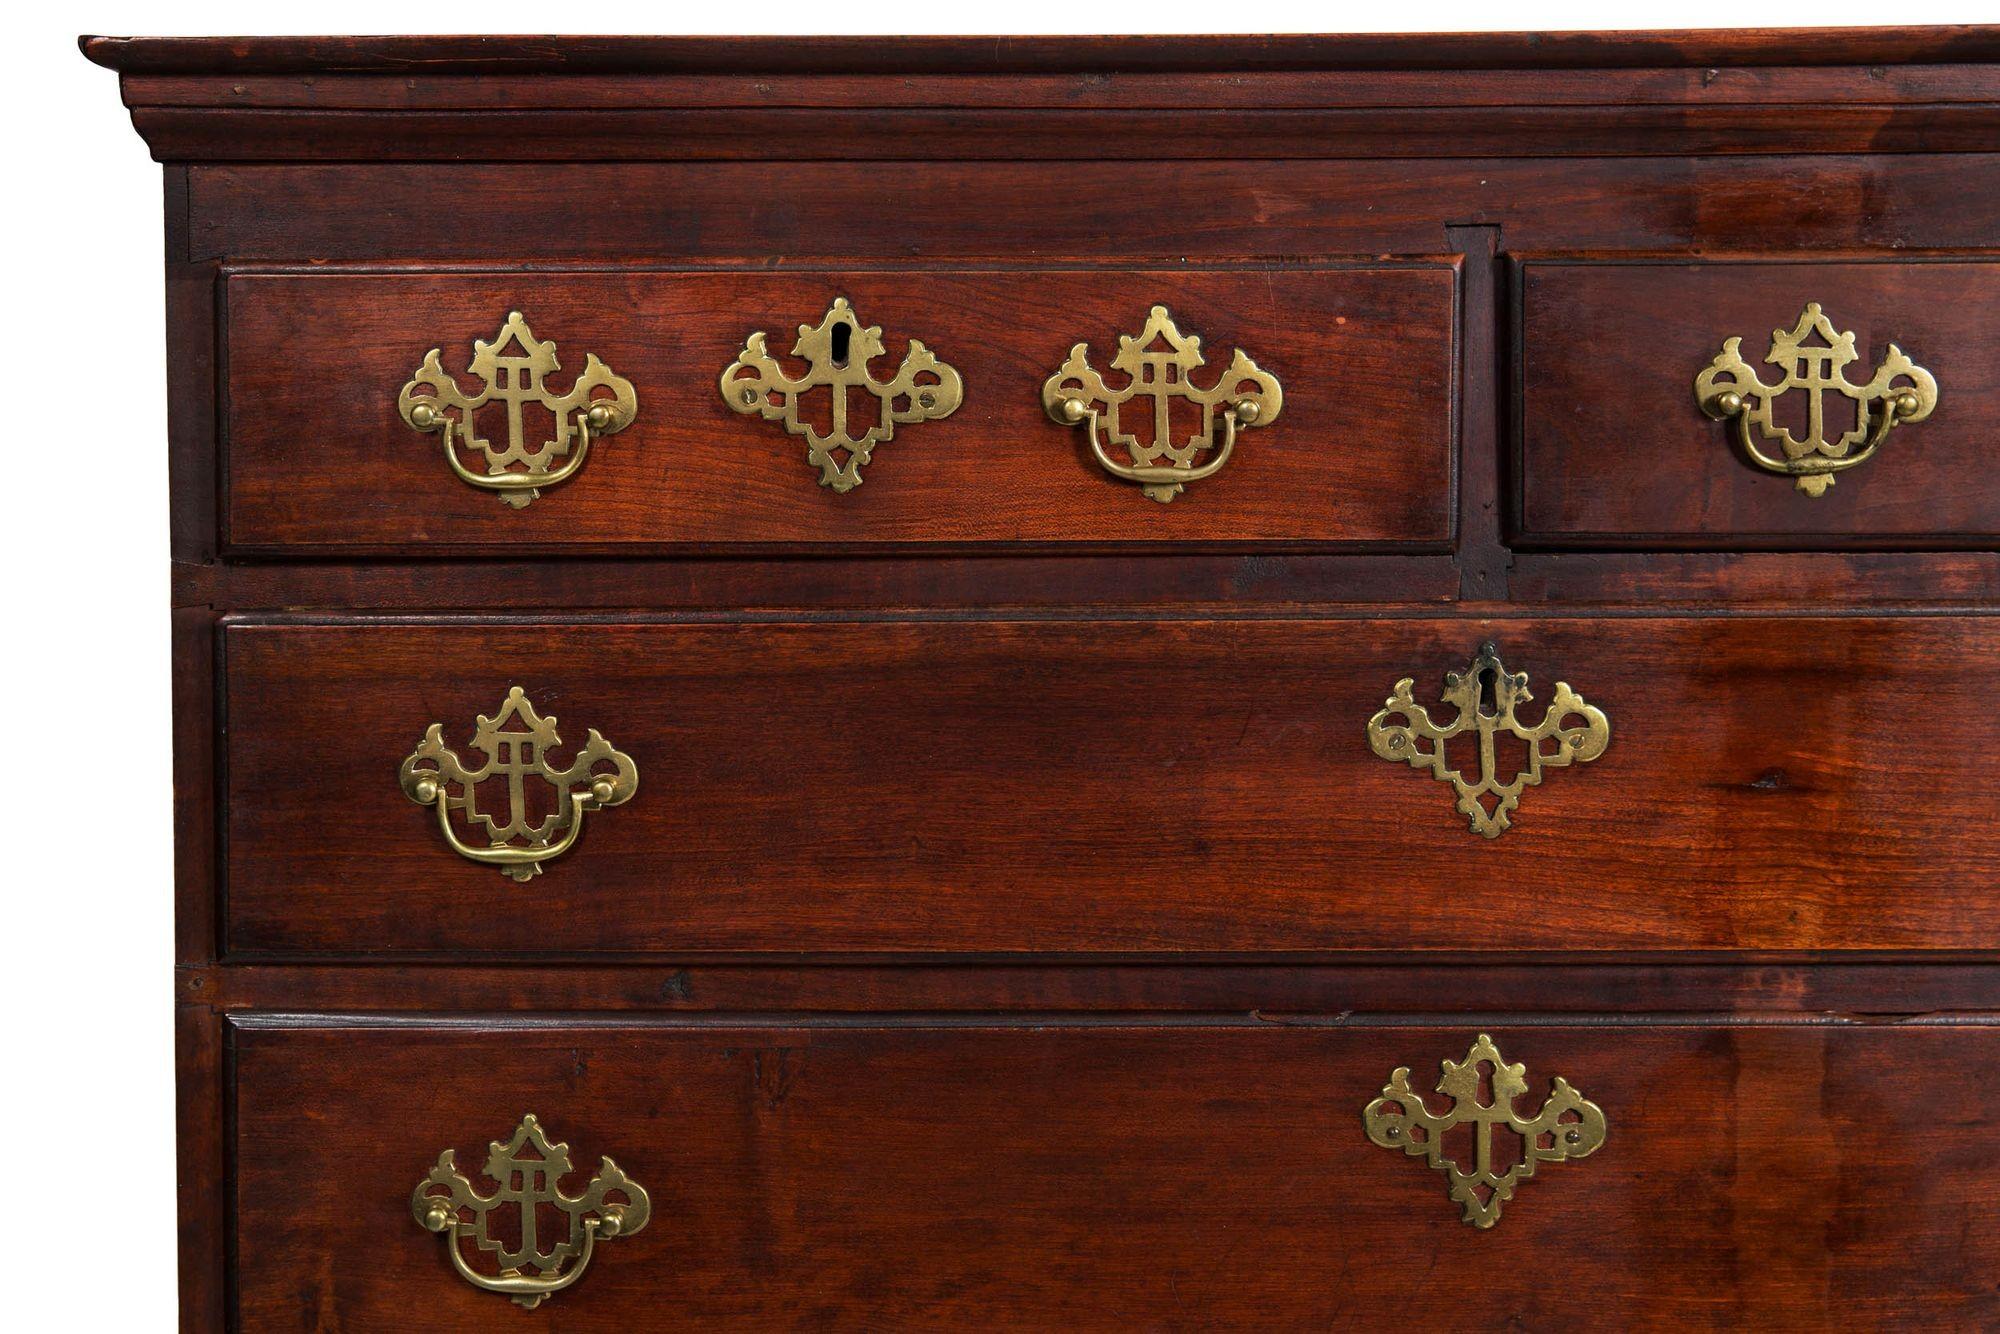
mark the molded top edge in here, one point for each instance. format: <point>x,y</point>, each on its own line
<point>448,55</point>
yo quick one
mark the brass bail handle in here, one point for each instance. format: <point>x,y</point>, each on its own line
<point>517,743</point>
<point>598,420</point>
<point>512,371</point>
<point>528,1170</point>
<point>1156,367</point>
<point>1812,360</point>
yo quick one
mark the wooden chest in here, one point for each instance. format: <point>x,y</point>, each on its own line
<point>1085,683</point>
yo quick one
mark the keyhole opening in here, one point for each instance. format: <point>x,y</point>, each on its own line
<point>1489,697</point>
<point>842,333</point>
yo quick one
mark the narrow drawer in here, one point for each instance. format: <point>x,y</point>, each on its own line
<point>1354,446</point>
<point>1065,1174</point>
<point>1762,782</point>
<point>1617,451</point>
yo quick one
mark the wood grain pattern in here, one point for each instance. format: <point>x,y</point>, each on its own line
<point>972,785</point>
<point>1811,579</point>
<point>202,1167</point>
<point>1361,453</point>
<point>681,57</point>
<point>1931,91</point>
<point>1119,1175</point>
<point>1011,921</point>
<point>441,89</point>
<point>1135,210</point>
<point>1615,452</point>
<point>1734,985</point>
<point>1066,134</point>
<point>1024,579</point>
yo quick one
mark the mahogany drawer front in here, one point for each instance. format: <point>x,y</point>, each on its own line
<point>1615,450</point>
<point>318,459</point>
<point>1769,782</point>
<point>1060,1173</point>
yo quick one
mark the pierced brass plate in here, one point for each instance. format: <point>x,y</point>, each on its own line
<point>1812,358</point>
<point>837,351</point>
<point>1158,366</point>
<point>528,1171</point>
<point>1486,697</point>
<point>516,743</point>
<point>511,371</point>
<point>1568,1126</point>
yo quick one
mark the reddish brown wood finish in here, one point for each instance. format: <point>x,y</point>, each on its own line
<point>1048,99</point>
<point>946,1057</point>
<point>1133,211</point>
<point>1614,450</point>
<point>1075,1175</point>
<point>1021,579</point>
<point>1077,91</point>
<point>1735,986</point>
<point>1736,49</point>
<point>1059,134</point>
<point>1361,452</point>
<point>1806,580</point>
<point>970,785</point>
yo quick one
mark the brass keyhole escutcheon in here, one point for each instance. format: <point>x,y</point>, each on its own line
<point>836,353</point>
<point>1487,699</point>
<point>1483,1089</point>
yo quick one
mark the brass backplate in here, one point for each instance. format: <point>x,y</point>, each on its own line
<point>1131,424</point>
<point>508,1224</point>
<point>836,352</point>
<point>517,743</point>
<point>1487,699</point>
<point>1482,1089</point>
<point>1812,359</point>
<point>512,371</point>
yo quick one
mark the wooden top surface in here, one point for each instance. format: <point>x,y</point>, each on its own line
<point>437,55</point>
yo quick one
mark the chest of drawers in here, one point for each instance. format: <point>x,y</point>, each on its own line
<point>1085,683</point>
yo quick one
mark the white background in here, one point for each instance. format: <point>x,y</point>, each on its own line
<point>85,866</point>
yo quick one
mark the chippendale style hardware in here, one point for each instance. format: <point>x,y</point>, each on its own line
<point>528,1172</point>
<point>1486,696</point>
<point>1159,366</point>
<point>1568,1126</point>
<point>1813,357</point>
<point>511,371</point>
<point>837,351</point>
<point>516,743</point>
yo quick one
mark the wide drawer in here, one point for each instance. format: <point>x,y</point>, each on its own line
<point>1355,446</point>
<point>1063,1173</point>
<point>1762,782</point>
<point>1616,449</point>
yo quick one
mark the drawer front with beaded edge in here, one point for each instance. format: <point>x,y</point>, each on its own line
<point>1599,783</point>
<point>1761,402</point>
<point>1305,404</point>
<point>1063,1172</point>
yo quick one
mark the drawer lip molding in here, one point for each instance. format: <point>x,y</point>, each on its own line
<point>804,1150</point>
<point>316,461</point>
<point>1763,793</point>
<point>1613,451</point>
